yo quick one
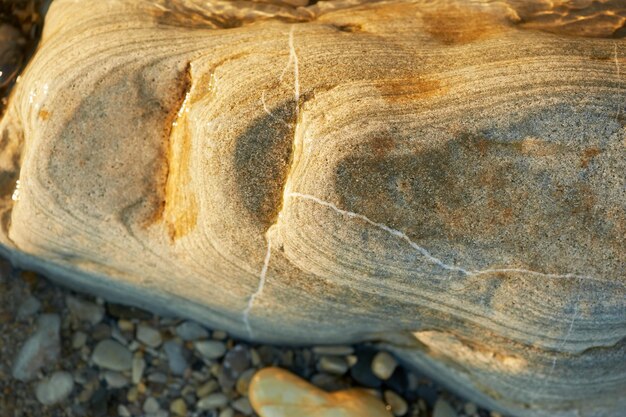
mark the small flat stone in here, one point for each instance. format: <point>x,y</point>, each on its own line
<point>115,379</point>
<point>212,401</point>
<point>29,307</point>
<point>243,382</point>
<point>333,350</point>
<point>149,336</point>
<point>243,406</point>
<point>151,405</point>
<point>137,368</point>
<point>157,378</point>
<point>207,388</point>
<point>443,409</point>
<point>210,349</point>
<point>123,411</point>
<point>227,412</point>
<point>333,365</point>
<point>189,330</point>
<point>78,340</point>
<point>42,348</point>
<point>470,409</point>
<point>275,392</point>
<point>236,361</point>
<point>110,354</point>
<point>84,310</point>
<point>383,365</point>
<point>178,407</point>
<point>399,406</point>
<point>54,389</point>
<point>175,357</point>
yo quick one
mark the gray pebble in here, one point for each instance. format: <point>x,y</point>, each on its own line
<point>40,349</point>
<point>227,412</point>
<point>189,330</point>
<point>78,340</point>
<point>54,389</point>
<point>110,354</point>
<point>29,307</point>
<point>115,379</point>
<point>149,336</point>
<point>175,357</point>
<point>443,409</point>
<point>333,365</point>
<point>151,405</point>
<point>333,350</point>
<point>84,310</point>
<point>210,349</point>
<point>213,401</point>
<point>242,405</point>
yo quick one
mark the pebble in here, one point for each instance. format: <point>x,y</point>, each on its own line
<point>443,409</point>
<point>54,389</point>
<point>151,405</point>
<point>213,401</point>
<point>333,365</point>
<point>85,310</point>
<point>42,348</point>
<point>178,407</point>
<point>137,368</point>
<point>115,379</point>
<point>383,365</point>
<point>242,405</point>
<point>470,409</point>
<point>175,357</point>
<point>210,349</point>
<point>399,406</point>
<point>237,360</point>
<point>227,412</point>
<point>189,330</point>
<point>122,411</point>
<point>207,388</point>
<point>243,382</point>
<point>149,336</point>
<point>333,350</point>
<point>110,354</point>
<point>29,307</point>
<point>78,340</point>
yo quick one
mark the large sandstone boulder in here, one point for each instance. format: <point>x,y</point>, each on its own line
<point>445,177</point>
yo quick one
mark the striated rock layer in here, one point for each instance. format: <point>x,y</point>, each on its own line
<point>445,177</point>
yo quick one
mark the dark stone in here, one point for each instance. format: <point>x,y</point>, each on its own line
<point>361,372</point>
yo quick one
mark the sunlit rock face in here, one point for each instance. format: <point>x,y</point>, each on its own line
<point>446,177</point>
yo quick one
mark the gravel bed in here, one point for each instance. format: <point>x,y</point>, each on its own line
<point>69,354</point>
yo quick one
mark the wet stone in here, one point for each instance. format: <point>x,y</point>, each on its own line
<point>399,406</point>
<point>362,369</point>
<point>333,365</point>
<point>443,409</point>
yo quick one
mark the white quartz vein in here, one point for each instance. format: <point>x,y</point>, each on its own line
<point>259,290</point>
<point>423,251</point>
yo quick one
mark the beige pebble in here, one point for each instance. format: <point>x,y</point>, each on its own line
<point>275,392</point>
<point>178,407</point>
<point>398,405</point>
<point>383,365</point>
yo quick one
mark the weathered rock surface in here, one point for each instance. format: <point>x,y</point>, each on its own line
<point>446,177</point>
